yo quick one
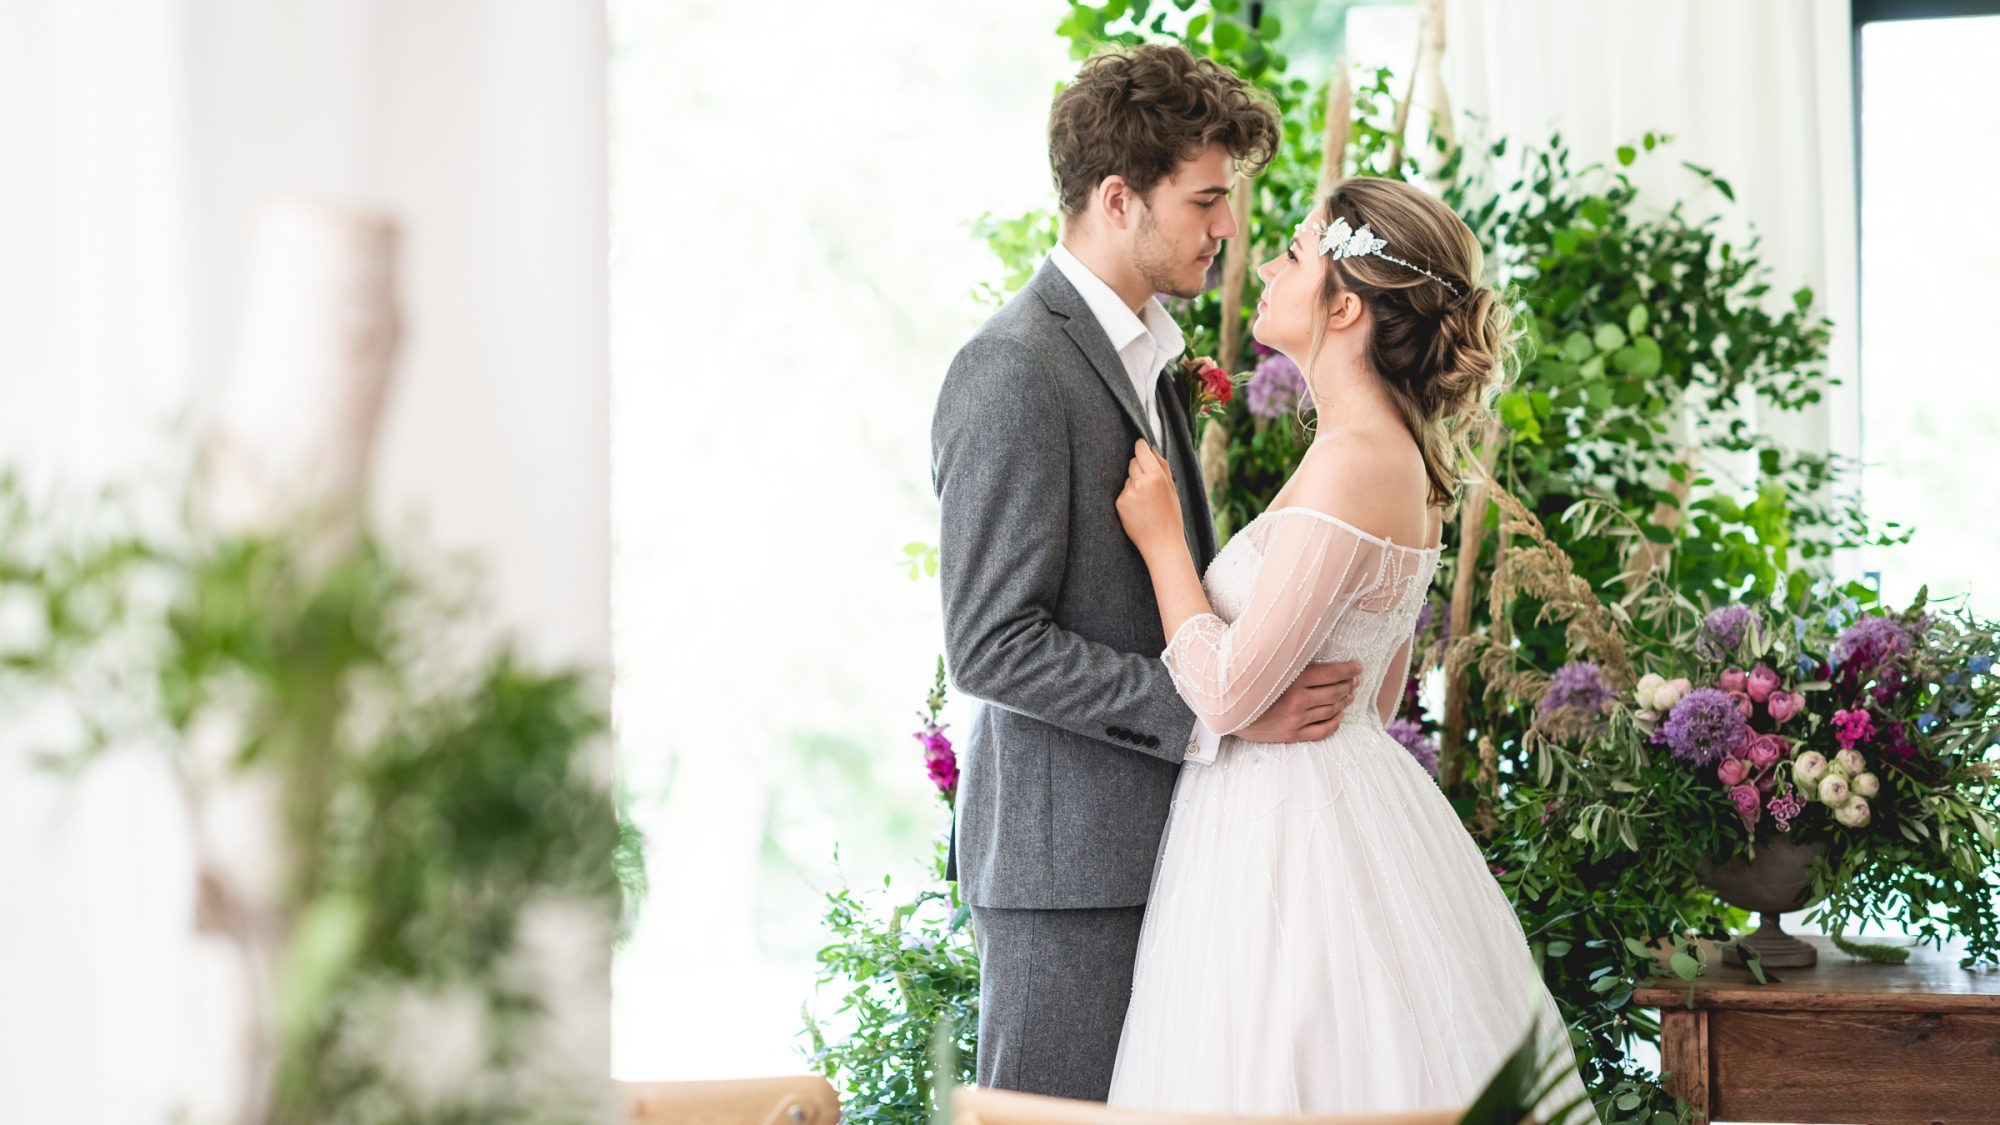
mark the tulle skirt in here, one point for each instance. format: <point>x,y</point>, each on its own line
<point>1323,935</point>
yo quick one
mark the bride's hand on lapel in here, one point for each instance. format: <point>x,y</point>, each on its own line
<point>1149,506</point>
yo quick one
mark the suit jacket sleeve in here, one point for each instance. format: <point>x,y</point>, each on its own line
<point>1000,463</point>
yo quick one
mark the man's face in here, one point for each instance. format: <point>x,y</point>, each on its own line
<point>1182,222</point>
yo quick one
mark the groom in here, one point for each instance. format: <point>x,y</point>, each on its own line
<point>1048,608</point>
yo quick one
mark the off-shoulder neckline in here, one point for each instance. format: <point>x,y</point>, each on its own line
<point>1338,522</point>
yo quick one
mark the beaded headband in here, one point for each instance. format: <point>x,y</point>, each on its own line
<point>1343,241</point>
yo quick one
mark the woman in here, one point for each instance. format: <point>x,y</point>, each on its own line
<point>1323,935</point>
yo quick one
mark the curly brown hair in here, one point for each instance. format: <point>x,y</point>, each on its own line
<point>1140,112</point>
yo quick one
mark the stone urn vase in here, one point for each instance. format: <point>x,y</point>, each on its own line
<point>1777,880</point>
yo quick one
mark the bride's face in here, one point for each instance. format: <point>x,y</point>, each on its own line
<point>1288,307</point>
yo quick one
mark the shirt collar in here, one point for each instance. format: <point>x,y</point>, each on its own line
<point>1119,322</point>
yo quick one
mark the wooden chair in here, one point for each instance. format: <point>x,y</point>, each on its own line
<point>979,1106</point>
<point>806,1099</point>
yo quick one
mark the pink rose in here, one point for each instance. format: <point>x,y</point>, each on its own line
<point>1783,705</point>
<point>1743,703</point>
<point>1763,682</point>
<point>1734,680</point>
<point>1767,750</point>
<point>1742,747</point>
<point>1732,771</point>
<point>1748,803</point>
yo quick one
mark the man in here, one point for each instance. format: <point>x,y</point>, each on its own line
<point>1048,608</point>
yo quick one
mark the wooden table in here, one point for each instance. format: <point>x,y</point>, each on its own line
<point>1845,1041</point>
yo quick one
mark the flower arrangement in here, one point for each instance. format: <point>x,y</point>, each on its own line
<point>1692,735</point>
<point>1879,722</point>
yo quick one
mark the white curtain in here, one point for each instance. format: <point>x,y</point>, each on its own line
<point>1762,93</point>
<point>140,135</point>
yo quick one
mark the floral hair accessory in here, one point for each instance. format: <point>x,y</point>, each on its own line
<point>1343,241</point>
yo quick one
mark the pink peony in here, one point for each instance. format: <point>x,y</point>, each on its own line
<point>1744,705</point>
<point>1732,771</point>
<point>1748,802</point>
<point>1783,705</point>
<point>1768,750</point>
<point>1763,682</point>
<point>1734,680</point>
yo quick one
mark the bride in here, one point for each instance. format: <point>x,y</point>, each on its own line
<point>1323,935</point>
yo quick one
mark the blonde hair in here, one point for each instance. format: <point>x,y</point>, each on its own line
<point>1443,356</point>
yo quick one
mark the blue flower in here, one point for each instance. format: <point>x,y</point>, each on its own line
<point>1926,721</point>
<point>1798,630</point>
<point>1961,709</point>
<point>1952,679</point>
<point>1980,665</point>
<point>1805,666</point>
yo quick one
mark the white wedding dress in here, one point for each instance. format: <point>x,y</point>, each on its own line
<point>1323,935</point>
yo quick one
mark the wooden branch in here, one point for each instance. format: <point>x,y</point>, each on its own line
<point>1452,755</point>
<point>1339,118</point>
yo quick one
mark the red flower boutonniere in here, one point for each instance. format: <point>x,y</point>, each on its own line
<point>1213,387</point>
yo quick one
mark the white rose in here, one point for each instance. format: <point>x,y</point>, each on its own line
<point>1866,784</point>
<point>1649,683</point>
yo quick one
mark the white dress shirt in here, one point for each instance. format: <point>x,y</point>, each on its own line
<point>1146,342</point>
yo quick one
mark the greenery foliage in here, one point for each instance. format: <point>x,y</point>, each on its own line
<point>434,797</point>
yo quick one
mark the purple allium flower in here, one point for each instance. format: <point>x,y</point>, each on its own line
<point>1277,387</point>
<point>1870,642</point>
<point>1411,735</point>
<point>1424,616</point>
<point>1578,685</point>
<point>1723,630</point>
<point>1702,727</point>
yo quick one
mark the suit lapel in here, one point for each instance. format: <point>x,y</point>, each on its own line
<point>1185,459</point>
<point>1062,299</point>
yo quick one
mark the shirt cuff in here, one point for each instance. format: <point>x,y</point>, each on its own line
<point>1203,744</point>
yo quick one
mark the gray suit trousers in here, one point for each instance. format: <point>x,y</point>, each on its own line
<point>1053,988</point>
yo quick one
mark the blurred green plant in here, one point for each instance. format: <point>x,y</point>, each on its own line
<point>436,795</point>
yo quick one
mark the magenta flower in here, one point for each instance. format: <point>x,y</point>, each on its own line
<point>1852,727</point>
<point>940,760</point>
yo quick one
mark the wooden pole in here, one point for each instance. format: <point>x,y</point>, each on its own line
<point>1453,761</point>
<point>1339,118</point>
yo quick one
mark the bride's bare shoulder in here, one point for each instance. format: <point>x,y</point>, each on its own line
<point>1373,480</point>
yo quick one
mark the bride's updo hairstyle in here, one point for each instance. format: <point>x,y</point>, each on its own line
<point>1442,341</point>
